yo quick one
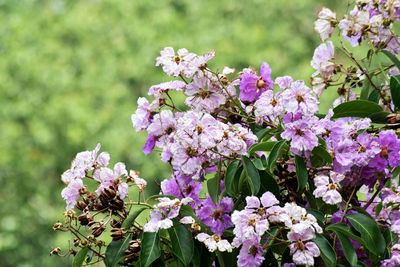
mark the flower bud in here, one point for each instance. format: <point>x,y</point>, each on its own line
<point>57,226</point>
<point>84,243</point>
<point>55,251</point>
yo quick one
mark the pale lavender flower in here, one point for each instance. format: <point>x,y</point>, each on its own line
<point>299,98</point>
<point>267,105</point>
<point>174,65</point>
<point>328,190</point>
<point>158,90</point>
<point>141,119</point>
<point>284,82</point>
<point>106,177</point>
<point>71,193</point>
<point>325,24</point>
<point>304,254</point>
<point>322,60</point>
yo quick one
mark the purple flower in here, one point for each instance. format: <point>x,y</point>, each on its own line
<point>250,254</point>
<point>141,118</point>
<point>322,60</point>
<point>106,177</point>
<point>267,105</point>
<point>323,26</point>
<point>158,90</point>
<point>150,144</point>
<point>189,187</point>
<point>216,216</point>
<point>301,135</point>
<point>251,85</point>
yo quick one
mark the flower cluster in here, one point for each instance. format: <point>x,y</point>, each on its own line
<point>257,171</point>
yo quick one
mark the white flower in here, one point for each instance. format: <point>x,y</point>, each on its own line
<point>187,220</point>
<point>139,182</point>
<point>328,191</point>
<point>324,26</point>
<point>214,242</point>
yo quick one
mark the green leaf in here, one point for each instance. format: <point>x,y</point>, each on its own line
<point>322,153</point>
<point>150,249</point>
<point>356,108</point>
<point>213,185</point>
<point>268,183</point>
<point>328,255</point>
<point>270,260</point>
<point>392,57</point>
<point>80,257</point>
<point>115,251</point>
<point>369,231</point>
<point>132,217</point>
<point>236,179</point>
<point>265,146</point>
<point>374,96</point>
<point>268,238</point>
<point>182,242</point>
<point>379,117</point>
<point>395,90</point>
<point>274,153</point>
<point>202,257</point>
<point>230,175</point>
<point>365,90</point>
<point>252,174</point>
<point>347,248</point>
<point>301,172</point>
<point>346,230</point>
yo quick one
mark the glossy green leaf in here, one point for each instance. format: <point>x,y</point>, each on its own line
<point>270,259</point>
<point>273,155</point>
<point>392,57</point>
<point>395,90</point>
<point>252,174</point>
<point>115,251</point>
<point>369,231</point>
<point>230,175</point>
<point>322,153</point>
<point>80,257</point>
<point>181,242</point>
<point>346,230</point>
<point>348,248</point>
<point>132,217</point>
<point>265,146</point>
<point>301,172</point>
<point>202,256</point>
<point>356,108</point>
<point>328,255</point>
<point>374,96</point>
<point>213,185</point>
<point>365,90</point>
<point>268,183</point>
<point>379,117</point>
<point>150,249</point>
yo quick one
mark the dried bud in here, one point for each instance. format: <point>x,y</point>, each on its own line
<point>92,238</point>
<point>55,251</point>
<point>100,205</point>
<point>57,226</point>
<point>98,231</point>
<point>100,243</point>
<point>80,205</point>
<point>85,218</point>
<point>393,121</point>
<point>73,252</point>
<point>109,193</point>
<point>117,234</point>
<point>69,214</point>
<point>117,204</point>
<point>196,228</point>
<point>115,224</point>
<point>134,245</point>
<point>84,243</point>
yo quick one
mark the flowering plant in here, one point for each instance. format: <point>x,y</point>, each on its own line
<point>259,176</point>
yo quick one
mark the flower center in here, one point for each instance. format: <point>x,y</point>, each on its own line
<point>260,83</point>
<point>188,189</point>
<point>299,132</point>
<point>300,98</point>
<point>199,129</point>
<point>216,238</point>
<point>217,215</point>
<point>177,59</point>
<point>191,152</point>
<point>204,94</point>
<point>362,149</point>
<point>332,186</point>
<point>384,151</point>
<point>253,250</point>
<point>252,222</point>
<point>274,102</point>
<point>300,245</point>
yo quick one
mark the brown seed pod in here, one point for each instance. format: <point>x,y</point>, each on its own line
<point>117,234</point>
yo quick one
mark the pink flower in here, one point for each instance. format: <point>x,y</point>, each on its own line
<point>251,85</point>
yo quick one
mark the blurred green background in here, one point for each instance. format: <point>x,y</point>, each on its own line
<point>71,72</point>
